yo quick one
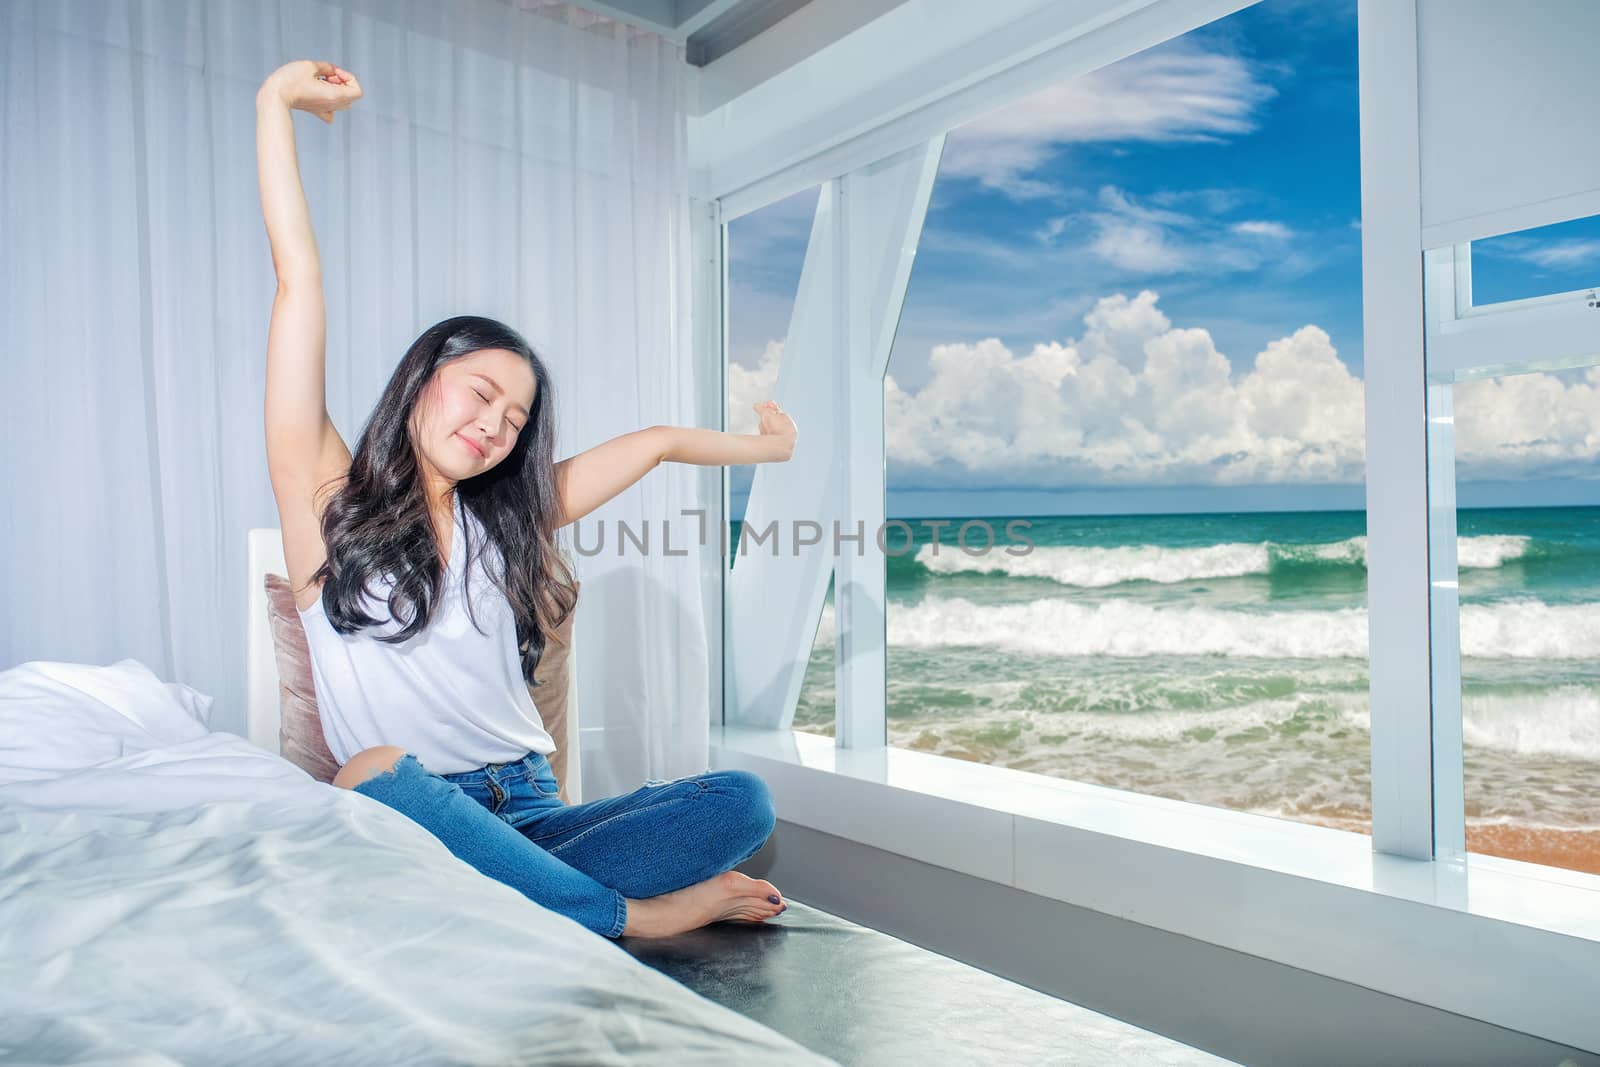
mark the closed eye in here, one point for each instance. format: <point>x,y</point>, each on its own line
<point>514,426</point>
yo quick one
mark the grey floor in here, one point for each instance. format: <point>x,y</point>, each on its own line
<point>1241,1007</point>
<point>862,997</point>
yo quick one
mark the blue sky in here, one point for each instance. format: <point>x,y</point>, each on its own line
<point>1140,291</point>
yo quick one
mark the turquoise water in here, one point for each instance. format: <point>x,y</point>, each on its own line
<point>1221,659</point>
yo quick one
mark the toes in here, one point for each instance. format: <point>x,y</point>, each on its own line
<point>746,886</point>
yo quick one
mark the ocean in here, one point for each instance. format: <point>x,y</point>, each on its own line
<point>1221,659</point>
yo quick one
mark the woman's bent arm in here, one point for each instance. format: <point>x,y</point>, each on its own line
<point>714,448</point>
<point>591,478</point>
<point>773,441</point>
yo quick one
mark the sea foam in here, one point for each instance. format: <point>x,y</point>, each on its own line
<point>1056,626</point>
<point>1090,567</point>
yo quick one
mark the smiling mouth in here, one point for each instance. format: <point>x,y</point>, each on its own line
<point>480,453</point>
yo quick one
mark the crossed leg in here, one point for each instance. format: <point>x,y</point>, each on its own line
<point>657,836</point>
<point>660,837</point>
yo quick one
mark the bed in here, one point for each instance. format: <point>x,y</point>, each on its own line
<point>174,894</point>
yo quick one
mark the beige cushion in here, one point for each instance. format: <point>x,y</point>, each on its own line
<point>300,737</point>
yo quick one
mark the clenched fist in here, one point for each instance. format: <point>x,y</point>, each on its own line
<point>315,86</point>
<point>775,422</point>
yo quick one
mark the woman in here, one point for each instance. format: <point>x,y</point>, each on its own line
<point>426,572</point>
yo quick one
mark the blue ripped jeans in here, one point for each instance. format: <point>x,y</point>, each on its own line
<point>583,860</point>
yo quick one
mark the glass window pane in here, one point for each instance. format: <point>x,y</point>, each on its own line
<point>815,711</point>
<point>1135,330</point>
<point>1528,545</point>
<point>1548,259</point>
<point>766,250</point>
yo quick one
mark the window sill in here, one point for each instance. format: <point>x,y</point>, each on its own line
<point>1512,943</point>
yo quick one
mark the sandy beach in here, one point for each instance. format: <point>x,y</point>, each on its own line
<point>1574,850</point>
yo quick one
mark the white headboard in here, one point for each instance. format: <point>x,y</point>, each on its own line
<point>264,554</point>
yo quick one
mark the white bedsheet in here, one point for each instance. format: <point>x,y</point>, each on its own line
<point>172,895</point>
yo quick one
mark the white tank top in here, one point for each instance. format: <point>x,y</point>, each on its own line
<point>451,696</point>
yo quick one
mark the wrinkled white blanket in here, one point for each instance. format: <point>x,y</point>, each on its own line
<point>172,895</point>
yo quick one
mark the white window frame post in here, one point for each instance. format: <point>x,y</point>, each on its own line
<point>1399,600</point>
<point>847,307</point>
<point>708,286</point>
<point>1444,598</point>
<point>879,210</point>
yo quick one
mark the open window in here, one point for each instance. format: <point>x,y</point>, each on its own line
<point>1514,436</point>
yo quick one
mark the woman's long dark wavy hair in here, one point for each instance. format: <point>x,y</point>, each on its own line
<point>379,522</point>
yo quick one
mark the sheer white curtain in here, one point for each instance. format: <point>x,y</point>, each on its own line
<point>523,161</point>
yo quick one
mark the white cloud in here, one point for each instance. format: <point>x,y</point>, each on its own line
<point>1134,246</point>
<point>1119,329</point>
<point>1506,427</point>
<point>1175,93</point>
<point>1559,253</point>
<point>1210,201</point>
<point>1116,202</point>
<point>1133,235</point>
<point>1263,228</point>
<point>1138,401</point>
<point>1052,229</point>
<point>748,386</point>
<point>1134,401</point>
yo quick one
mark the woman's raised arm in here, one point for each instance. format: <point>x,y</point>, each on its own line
<point>304,451</point>
<point>322,89</point>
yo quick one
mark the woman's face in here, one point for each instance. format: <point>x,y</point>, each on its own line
<point>469,415</point>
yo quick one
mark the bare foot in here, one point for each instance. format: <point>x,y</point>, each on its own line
<point>729,895</point>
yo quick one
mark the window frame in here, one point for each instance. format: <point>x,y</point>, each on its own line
<point>1413,608</point>
<point>1411,883</point>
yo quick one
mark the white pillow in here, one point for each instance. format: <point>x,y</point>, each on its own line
<point>57,717</point>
